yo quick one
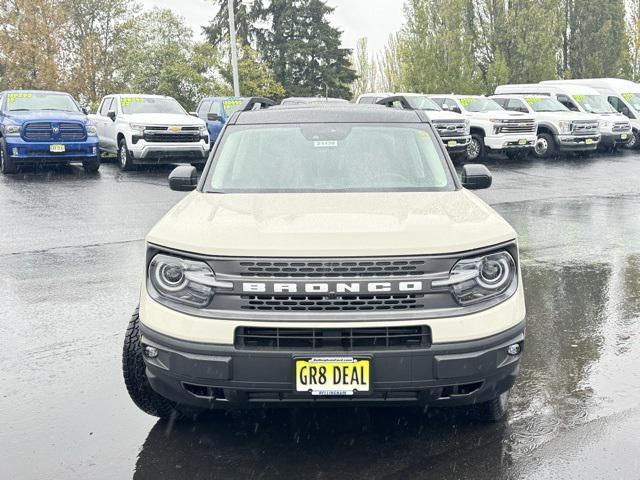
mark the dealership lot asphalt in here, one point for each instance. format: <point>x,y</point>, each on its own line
<point>71,250</point>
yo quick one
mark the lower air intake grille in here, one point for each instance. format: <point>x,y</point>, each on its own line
<point>337,304</point>
<point>375,338</point>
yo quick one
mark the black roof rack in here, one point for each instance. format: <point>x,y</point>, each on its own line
<point>403,99</point>
<point>251,102</point>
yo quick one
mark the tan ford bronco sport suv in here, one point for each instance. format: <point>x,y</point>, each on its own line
<point>327,255</point>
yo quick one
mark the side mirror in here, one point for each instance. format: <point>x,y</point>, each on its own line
<point>112,115</point>
<point>86,110</point>
<point>213,117</point>
<point>476,176</point>
<point>193,114</point>
<point>183,178</point>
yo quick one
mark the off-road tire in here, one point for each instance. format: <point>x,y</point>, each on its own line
<point>91,166</point>
<point>125,160</point>
<point>476,151</point>
<point>135,377</point>
<point>518,155</point>
<point>492,411</point>
<point>7,165</point>
<point>547,140</point>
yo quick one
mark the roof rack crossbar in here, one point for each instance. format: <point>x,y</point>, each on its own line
<point>251,102</point>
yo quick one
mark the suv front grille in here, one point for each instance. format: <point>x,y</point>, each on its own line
<point>337,304</point>
<point>339,268</point>
<point>374,338</point>
<point>517,126</point>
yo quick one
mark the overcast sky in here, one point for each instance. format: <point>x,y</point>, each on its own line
<point>374,19</point>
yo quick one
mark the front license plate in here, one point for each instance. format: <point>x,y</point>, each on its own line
<point>332,376</point>
<point>522,141</point>
<point>56,148</point>
<point>623,136</point>
<point>588,141</point>
<point>452,143</point>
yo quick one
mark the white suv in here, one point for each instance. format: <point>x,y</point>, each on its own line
<point>493,129</point>
<point>150,129</point>
<point>559,129</point>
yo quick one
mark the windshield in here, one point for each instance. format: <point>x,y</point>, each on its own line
<point>329,158</point>
<point>479,104</point>
<point>17,101</point>
<point>546,104</point>
<point>594,103</point>
<point>633,99</point>
<point>425,103</point>
<point>133,105</point>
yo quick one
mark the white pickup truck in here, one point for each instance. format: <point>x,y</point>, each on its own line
<point>150,129</point>
<point>493,129</point>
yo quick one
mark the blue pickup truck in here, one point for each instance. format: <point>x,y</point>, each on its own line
<point>216,111</point>
<point>39,127</point>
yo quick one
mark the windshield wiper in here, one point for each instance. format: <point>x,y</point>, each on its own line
<point>19,110</point>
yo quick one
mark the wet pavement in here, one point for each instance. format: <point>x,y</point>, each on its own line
<point>71,248</point>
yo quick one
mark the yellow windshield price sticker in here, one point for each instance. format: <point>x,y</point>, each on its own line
<point>578,98</point>
<point>533,100</point>
<point>465,102</point>
<point>628,96</point>
<point>126,101</point>
<point>12,97</point>
<point>231,103</point>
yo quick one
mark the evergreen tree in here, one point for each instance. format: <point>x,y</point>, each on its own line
<point>305,50</point>
<point>246,16</point>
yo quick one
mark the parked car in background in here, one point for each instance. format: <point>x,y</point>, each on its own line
<point>150,129</point>
<point>615,129</point>
<point>38,127</point>
<point>493,129</point>
<point>312,101</point>
<point>559,129</point>
<point>215,111</point>
<point>622,95</point>
<point>453,129</point>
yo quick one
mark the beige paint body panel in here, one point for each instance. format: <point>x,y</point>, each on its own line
<point>209,330</point>
<point>330,224</point>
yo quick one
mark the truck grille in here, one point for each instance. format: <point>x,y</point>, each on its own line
<point>377,338</point>
<point>52,131</point>
<point>517,126</point>
<point>339,303</point>
<point>339,268</point>
<point>451,128</point>
<point>584,128</point>
<point>165,137</point>
<point>621,127</point>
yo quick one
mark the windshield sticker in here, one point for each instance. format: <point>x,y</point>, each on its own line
<point>126,101</point>
<point>628,96</point>
<point>578,98</point>
<point>533,100</point>
<point>325,143</point>
<point>466,101</point>
<point>231,103</point>
<point>11,97</point>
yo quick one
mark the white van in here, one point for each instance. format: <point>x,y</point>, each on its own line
<point>623,95</point>
<point>615,129</point>
<point>559,129</point>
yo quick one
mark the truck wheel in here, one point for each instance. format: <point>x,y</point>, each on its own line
<point>634,141</point>
<point>124,159</point>
<point>493,410</point>
<point>6,164</point>
<point>545,146</point>
<point>135,378</point>
<point>518,155</point>
<point>476,149</point>
<point>92,165</point>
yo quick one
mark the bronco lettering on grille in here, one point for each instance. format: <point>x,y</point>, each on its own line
<point>332,287</point>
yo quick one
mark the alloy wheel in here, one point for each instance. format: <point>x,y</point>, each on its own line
<point>473,150</point>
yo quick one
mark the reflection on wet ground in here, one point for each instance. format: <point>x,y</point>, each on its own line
<point>66,415</point>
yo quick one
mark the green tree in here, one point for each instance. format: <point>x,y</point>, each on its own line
<point>304,49</point>
<point>246,18</point>
<point>389,67</point>
<point>256,77</point>
<point>366,70</point>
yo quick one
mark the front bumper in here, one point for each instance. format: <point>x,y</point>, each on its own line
<point>511,141</point>
<point>577,143</point>
<point>155,152</point>
<point>614,139</point>
<point>456,144</point>
<point>222,376</point>
<point>21,151</point>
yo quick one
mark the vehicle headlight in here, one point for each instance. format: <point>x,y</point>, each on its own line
<point>474,280</point>
<point>203,130</point>
<point>91,129</point>
<point>564,127</point>
<point>11,130</point>
<point>185,281</point>
<point>137,128</point>
<point>467,127</point>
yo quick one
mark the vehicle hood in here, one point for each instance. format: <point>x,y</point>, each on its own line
<point>46,116</point>
<point>567,116</point>
<point>164,119</point>
<point>330,224</point>
<point>505,115</point>
<point>435,116</point>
